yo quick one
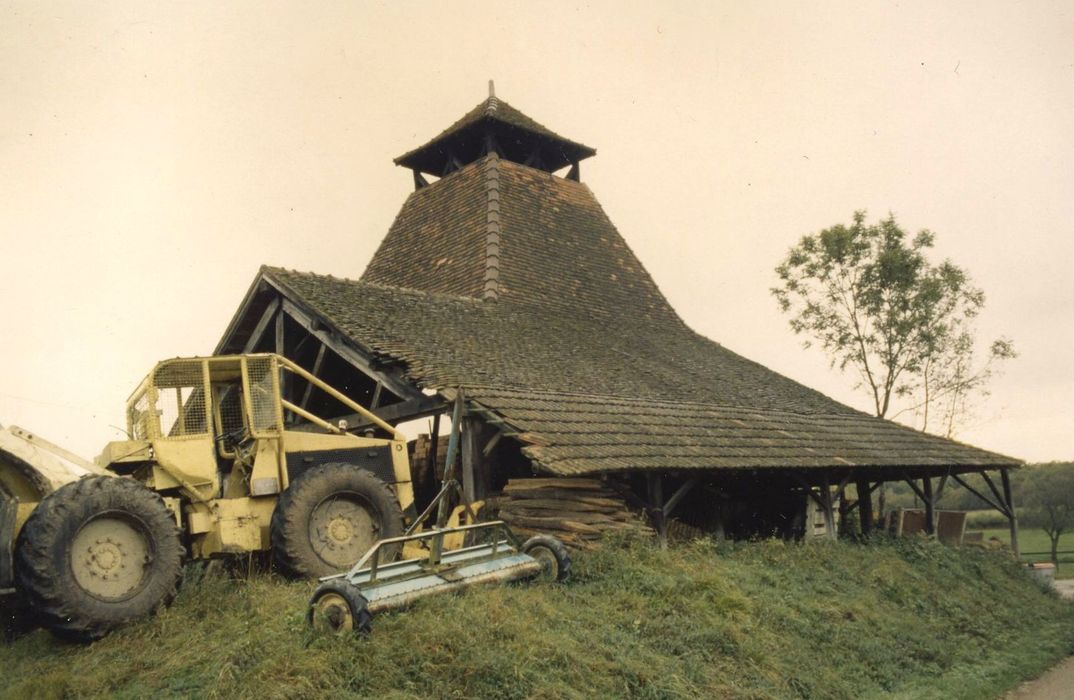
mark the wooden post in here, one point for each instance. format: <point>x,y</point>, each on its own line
<point>471,453</point>
<point>930,510</point>
<point>1011,516</point>
<point>829,516</point>
<point>865,506</point>
<point>656,507</point>
<point>281,349</point>
<point>434,448</point>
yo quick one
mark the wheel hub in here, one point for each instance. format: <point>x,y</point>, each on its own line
<point>342,529</point>
<point>109,556</point>
<point>331,612</point>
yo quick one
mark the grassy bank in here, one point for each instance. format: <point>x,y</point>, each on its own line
<point>759,620</point>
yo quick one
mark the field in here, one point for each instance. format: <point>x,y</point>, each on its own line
<point>905,619</point>
<point>1035,540</point>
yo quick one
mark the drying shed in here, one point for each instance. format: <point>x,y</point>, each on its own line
<point>509,280</point>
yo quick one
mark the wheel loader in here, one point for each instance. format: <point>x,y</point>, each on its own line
<point>210,467</point>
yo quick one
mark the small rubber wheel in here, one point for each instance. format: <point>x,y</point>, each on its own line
<point>553,556</point>
<point>96,554</point>
<point>338,607</point>
<point>329,517</point>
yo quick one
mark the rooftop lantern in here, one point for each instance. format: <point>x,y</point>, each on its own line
<point>494,126</point>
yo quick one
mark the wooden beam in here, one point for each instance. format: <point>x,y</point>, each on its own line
<point>376,396</point>
<point>317,362</point>
<point>679,494</point>
<point>470,487</point>
<point>980,495</point>
<point>396,384</point>
<point>916,489</point>
<point>865,506</point>
<point>930,507</point>
<point>656,507</point>
<point>262,325</point>
<point>286,378</point>
<point>829,516</point>
<point>1012,515</point>
<point>434,446</point>
<point>992,487</point>
<point>491,444</point>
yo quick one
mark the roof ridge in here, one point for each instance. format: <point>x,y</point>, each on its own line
<point>491,289</point>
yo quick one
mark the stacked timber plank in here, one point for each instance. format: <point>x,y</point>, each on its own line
<point>577,511</point>
<point>419,458</point>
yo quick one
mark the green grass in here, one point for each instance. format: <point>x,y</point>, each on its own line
<point>906,619</point>
<point>1036,540</point>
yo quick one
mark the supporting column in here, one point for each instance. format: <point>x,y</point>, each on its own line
<point>474,485</point>
<point>826,500</point>
<point>865,506</point>
<point>1011,516</point>
<point>655,484</point>
<point>930,510</point>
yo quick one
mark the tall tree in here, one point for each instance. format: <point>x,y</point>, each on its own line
<point>1048,501</point>
<point>869,296</point>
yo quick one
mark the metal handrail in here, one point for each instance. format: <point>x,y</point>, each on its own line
<point>372,557</point>
<point>339,396</point>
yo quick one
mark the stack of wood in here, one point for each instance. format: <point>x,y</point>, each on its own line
<point>419,459</point>
<point>576,511</point>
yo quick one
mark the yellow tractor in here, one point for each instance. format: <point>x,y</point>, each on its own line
<point>210,467</point>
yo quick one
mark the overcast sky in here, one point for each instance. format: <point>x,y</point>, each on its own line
<point>154,156</point>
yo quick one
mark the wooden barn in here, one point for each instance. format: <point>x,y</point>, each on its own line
<point>503,276</point>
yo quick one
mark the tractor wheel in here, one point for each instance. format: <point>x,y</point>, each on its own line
<point>553,556</point>
<point>338,606</point>
<point>329,517</point>
<point>96,554</point>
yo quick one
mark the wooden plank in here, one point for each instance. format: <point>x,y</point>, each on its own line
<point>563,483</point>
<point>583,503</point>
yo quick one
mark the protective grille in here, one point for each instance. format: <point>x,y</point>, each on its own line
<point>143,422</point>
<point>262,394</point>
<point>181,398</point>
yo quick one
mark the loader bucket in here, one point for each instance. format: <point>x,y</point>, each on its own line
<point>371,587</point>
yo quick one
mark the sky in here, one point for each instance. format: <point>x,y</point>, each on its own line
<point>153,156</point>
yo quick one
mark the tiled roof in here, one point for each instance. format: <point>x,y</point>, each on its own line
<point>592,393</point>
<point>583,434</point>
<point>513,283</point>
<point>554,245</point>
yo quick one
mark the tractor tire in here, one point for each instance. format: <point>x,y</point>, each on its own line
<point>553,556</point>
<point>329,517</point>
<point>96,554</point>
<point>338,606</point>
